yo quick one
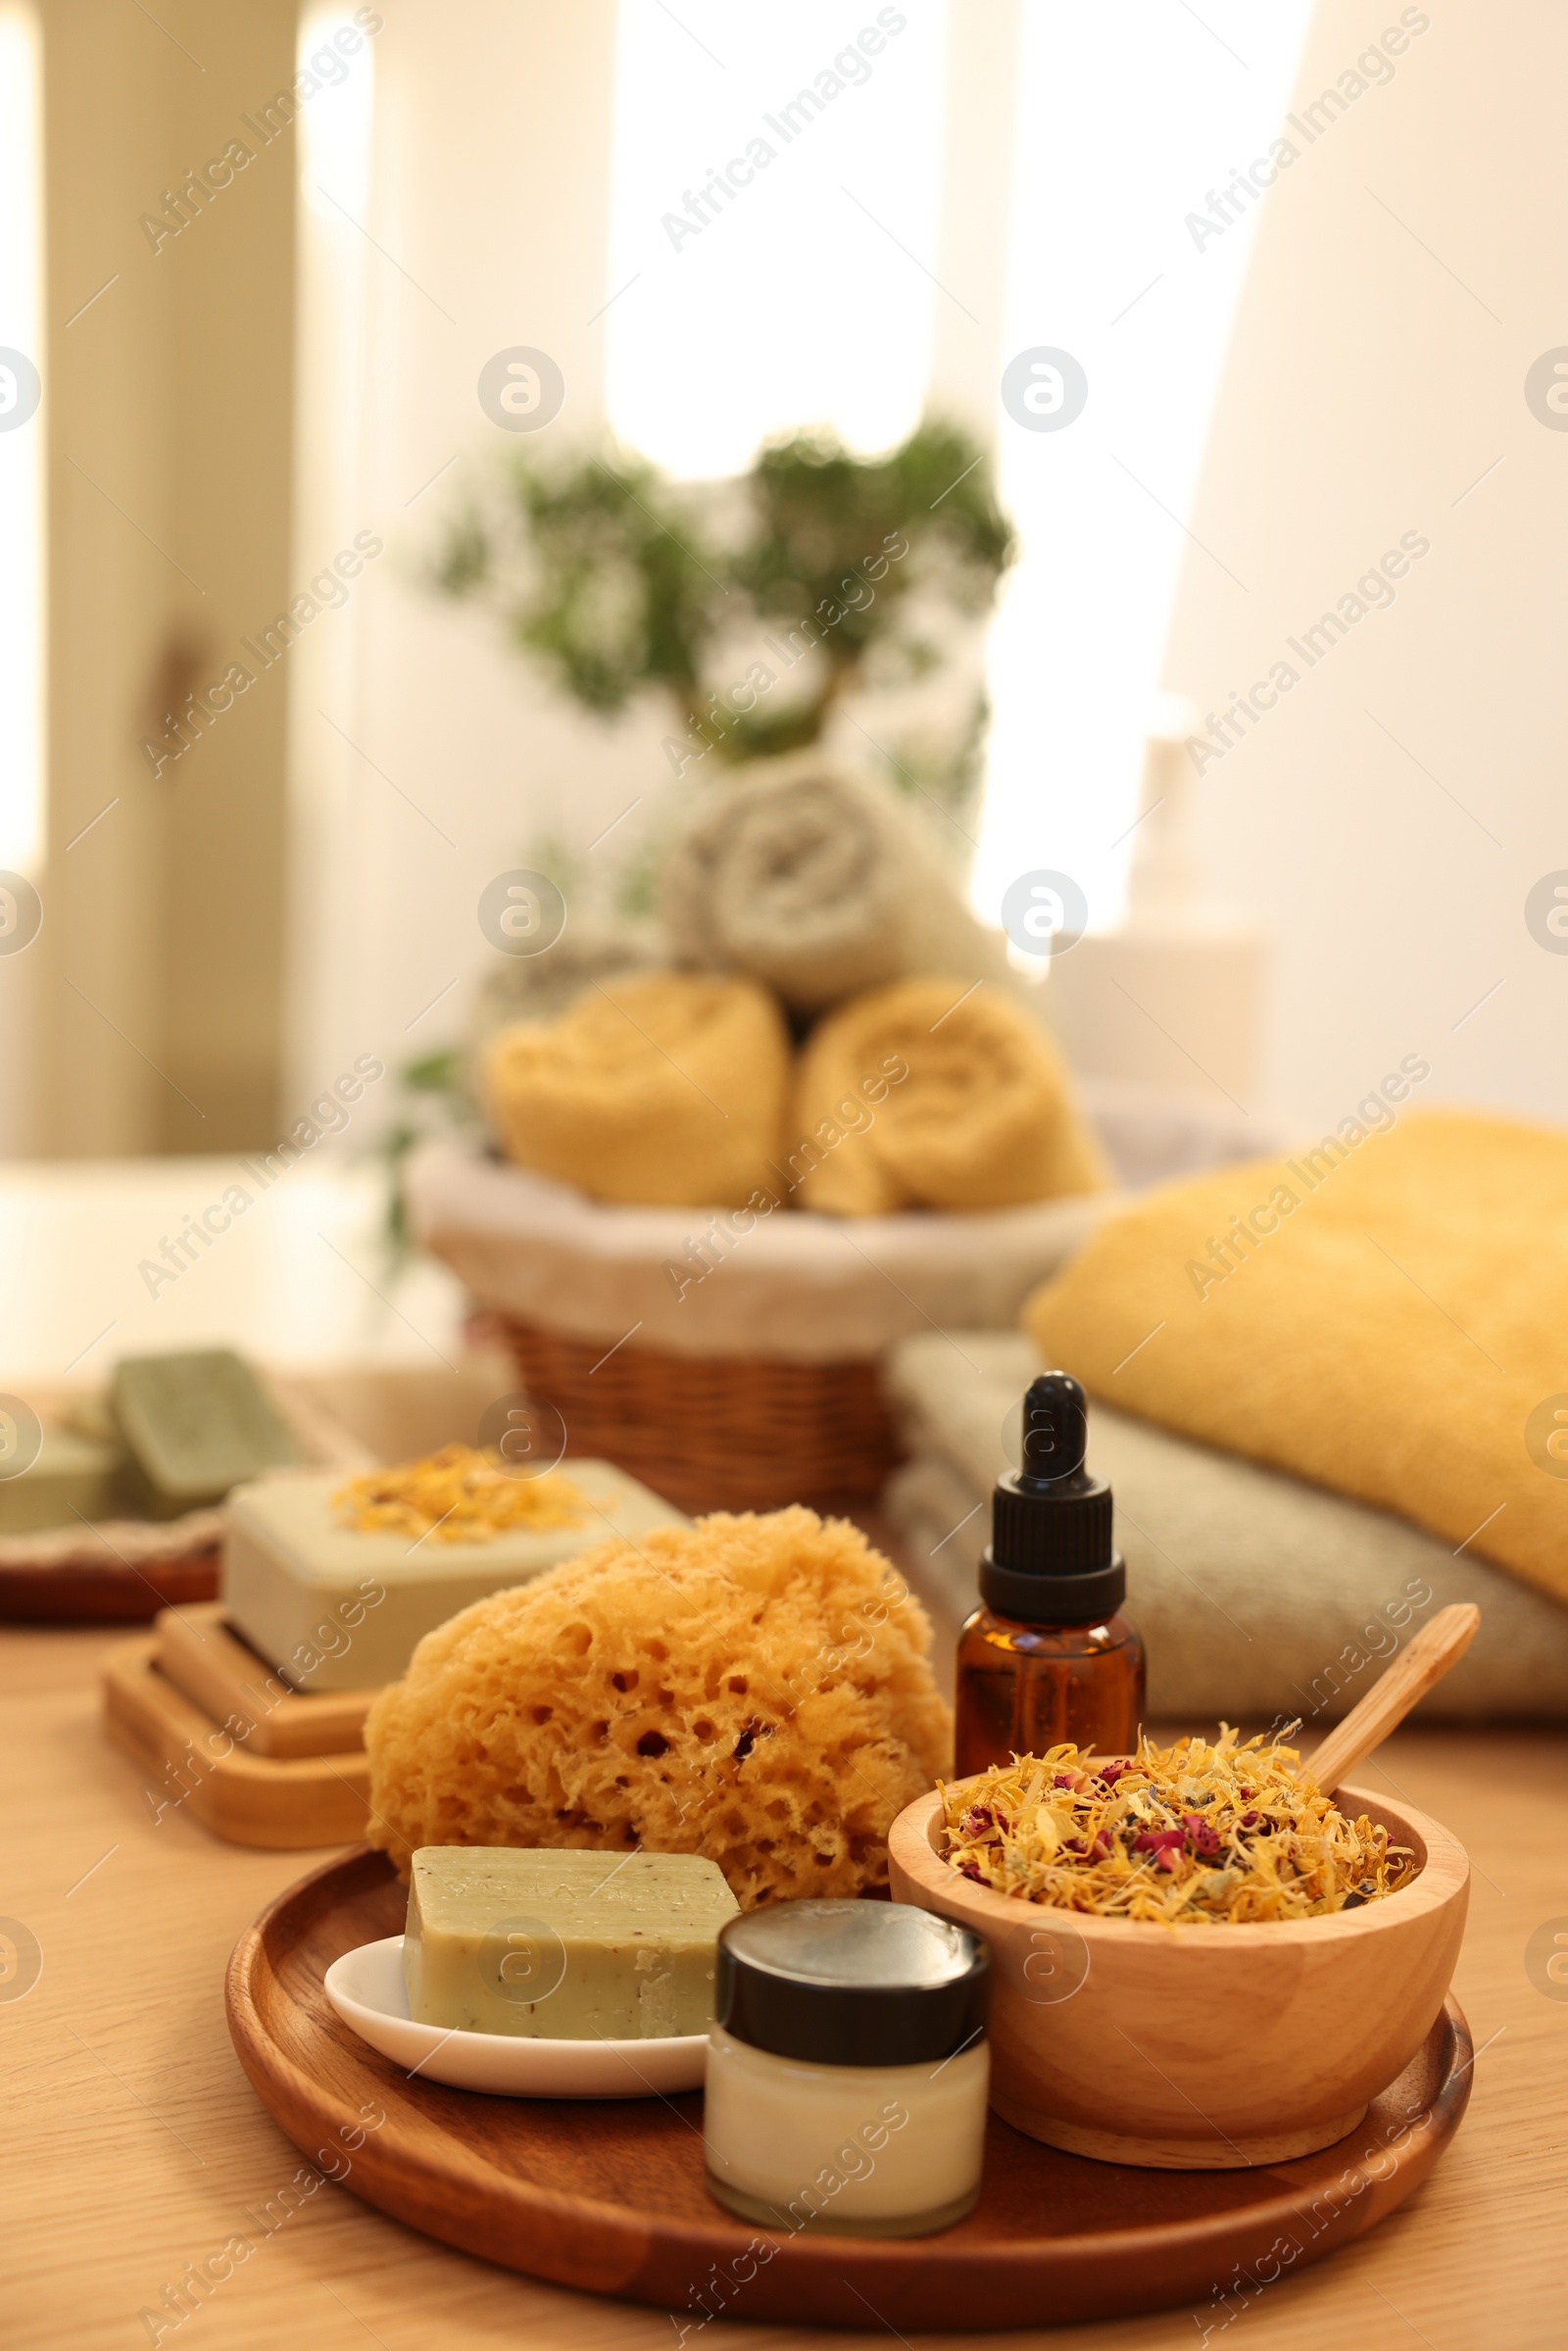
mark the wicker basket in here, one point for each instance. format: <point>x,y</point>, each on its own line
<point>751,1387</point>
<point>717,1431</point>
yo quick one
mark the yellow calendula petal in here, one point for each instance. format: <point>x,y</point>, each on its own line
<point>1235,1834</point>
<point>459,1494</point>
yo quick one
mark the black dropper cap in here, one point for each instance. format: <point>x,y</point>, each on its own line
<point>1050,1559</point>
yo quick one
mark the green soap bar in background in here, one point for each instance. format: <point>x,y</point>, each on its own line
<point>563,1946</point>
<point>92,1415</point>
<point>196,1425</point>
<point>73,1478</point>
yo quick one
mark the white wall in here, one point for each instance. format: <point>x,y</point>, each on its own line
<point>1366,392</point>
<point>489,188</point>
<point>1408,271</point>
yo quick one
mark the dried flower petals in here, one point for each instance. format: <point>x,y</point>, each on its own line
<point>1222,1833</point>
<point>456,1495</point>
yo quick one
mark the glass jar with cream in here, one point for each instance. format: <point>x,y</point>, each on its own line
<point>848,2068</point>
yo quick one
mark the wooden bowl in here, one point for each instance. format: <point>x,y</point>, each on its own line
<point>1202,2049</point>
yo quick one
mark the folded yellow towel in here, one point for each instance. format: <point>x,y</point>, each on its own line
<point>1386,1313</point>
<point>936,1094</point>
<point>668,1090</point>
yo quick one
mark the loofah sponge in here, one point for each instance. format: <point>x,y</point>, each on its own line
<point>756,1689</point>
<point>668,1090</point>
<point>982,1117</point>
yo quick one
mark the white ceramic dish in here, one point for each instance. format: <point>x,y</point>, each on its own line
<point>366,1989</point>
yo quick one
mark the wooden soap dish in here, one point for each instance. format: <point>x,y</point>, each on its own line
<point>216,1667</point>
<point>195,1761</point>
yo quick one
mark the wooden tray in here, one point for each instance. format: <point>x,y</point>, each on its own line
<point>105,1591</point>
<point>219,1671</point>
<point>345,1420</point>
<point>197,1764</point>
<point>106,1587</point>
<point>609,2197</point>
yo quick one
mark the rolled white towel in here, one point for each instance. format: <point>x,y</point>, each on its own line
<point>816,882</point>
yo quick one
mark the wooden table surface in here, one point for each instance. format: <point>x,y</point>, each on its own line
<point>133,2144</point>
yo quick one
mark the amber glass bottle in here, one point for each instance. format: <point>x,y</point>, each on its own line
<point>1048,1655</point>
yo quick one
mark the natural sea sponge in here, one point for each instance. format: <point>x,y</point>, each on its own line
<point>755,1689</point>
<point>667,1090</point>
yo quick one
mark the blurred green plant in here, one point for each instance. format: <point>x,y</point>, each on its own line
<point>592,573</point>
<point>435,1099</point>
<point>618,581</point>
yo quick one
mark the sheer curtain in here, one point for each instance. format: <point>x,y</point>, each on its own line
<point>1129,236</point>
<point>553,178</point>
<point>454,208</point>
<point>22,582</point>
<point>819,285</point>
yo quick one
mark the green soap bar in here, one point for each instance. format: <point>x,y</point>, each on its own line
<point>73,1479</point>
<point>563,1946</point>
<point>92,1415</point>
<point>196,1425</point>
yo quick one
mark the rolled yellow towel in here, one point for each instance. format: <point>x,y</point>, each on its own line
<point>668,1090</point>
<point>1382,1313</point>
<point>934,1094</point>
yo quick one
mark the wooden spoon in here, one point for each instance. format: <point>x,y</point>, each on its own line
<point>1436,1646</point>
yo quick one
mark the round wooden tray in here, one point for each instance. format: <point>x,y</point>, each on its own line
<point>609,2197</point>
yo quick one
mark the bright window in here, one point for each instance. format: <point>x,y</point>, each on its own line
<point>774,214</point>
<point>1129,120</point>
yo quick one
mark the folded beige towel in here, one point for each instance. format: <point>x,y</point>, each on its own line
<point>818,882</point>
<point>668,1090</point>
<point>1399,1338</point>
<point>1256,1594</point>
<point>936,1094</point>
